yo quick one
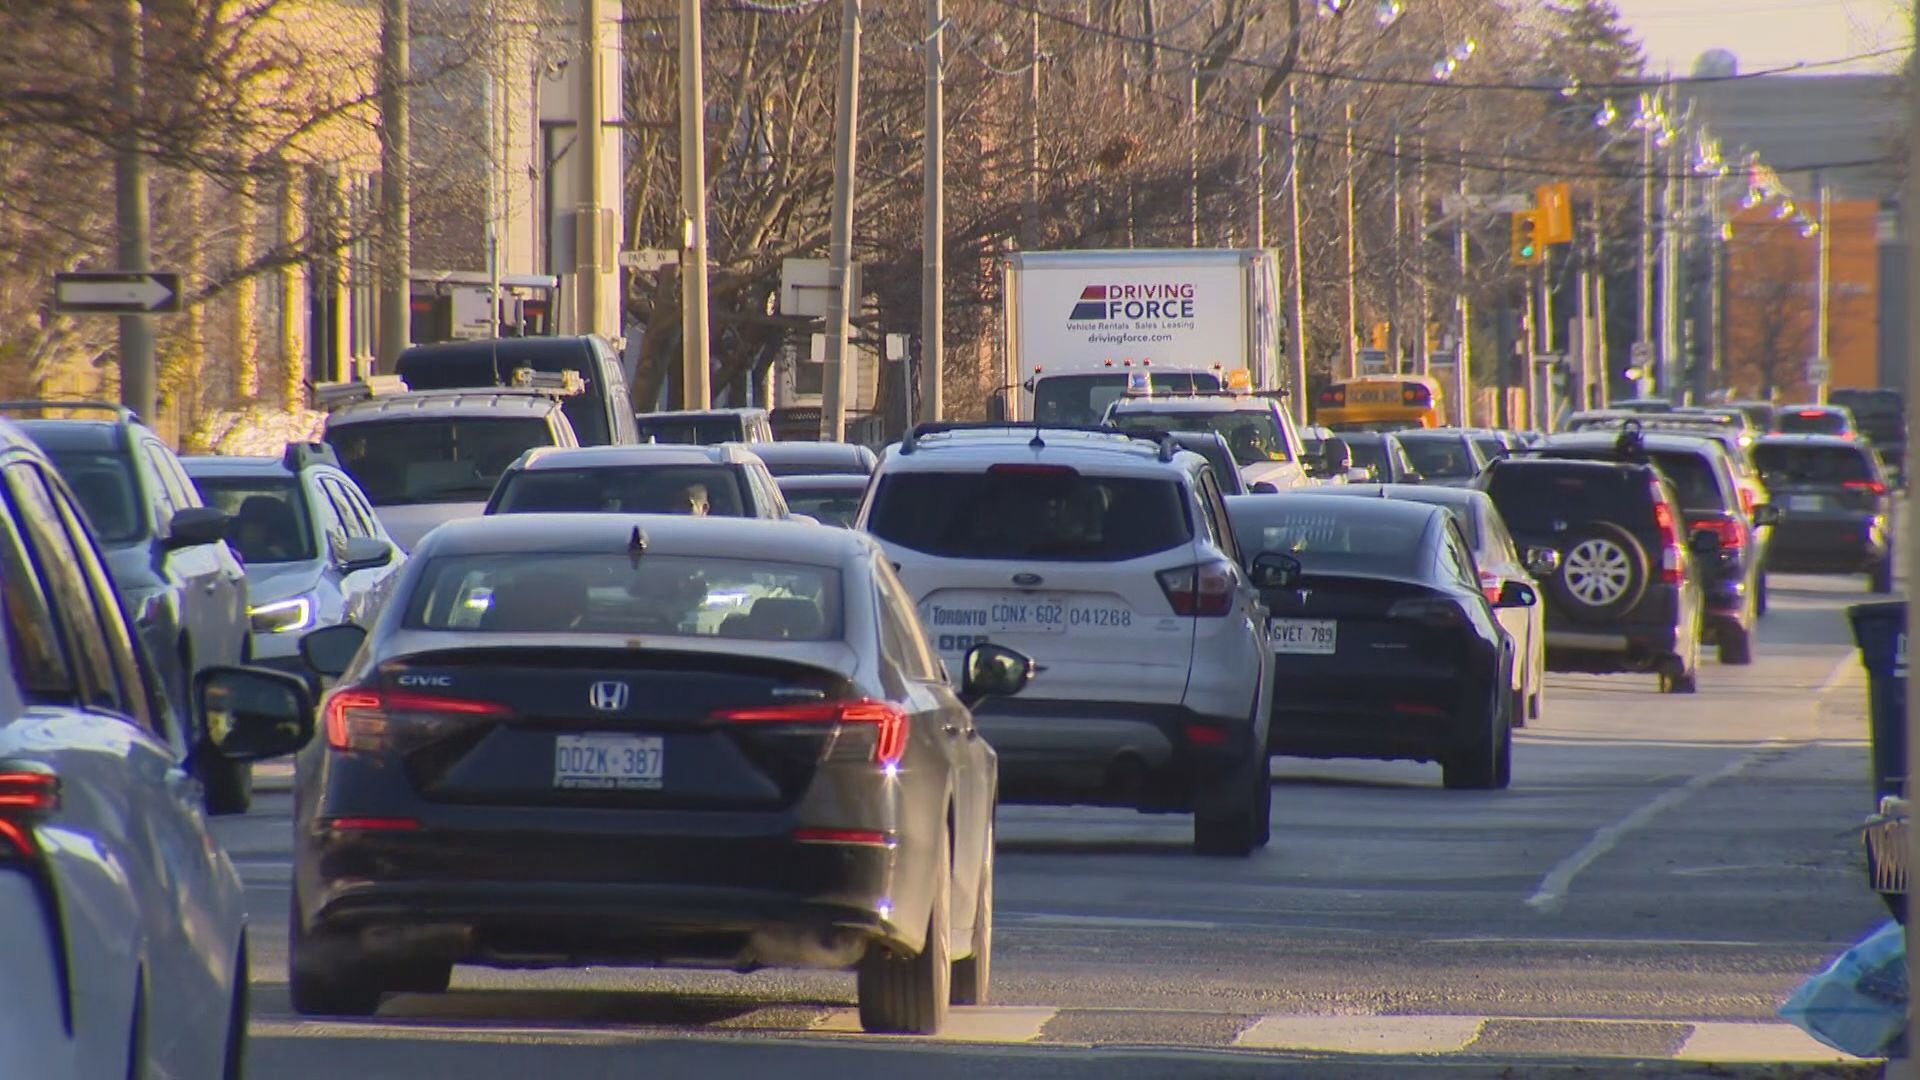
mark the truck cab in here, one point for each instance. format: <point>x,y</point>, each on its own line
<point>1265,444</point>
<point>1082,397</point>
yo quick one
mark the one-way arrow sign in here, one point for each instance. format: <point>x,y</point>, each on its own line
<point>116,293</point>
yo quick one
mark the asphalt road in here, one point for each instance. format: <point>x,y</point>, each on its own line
<point>1662,873</point>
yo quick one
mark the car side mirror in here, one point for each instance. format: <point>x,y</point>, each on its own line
<point>195,526</point>
<point>1274,570</point>
<point>1704,542</point>
<point>1542,561</point>
<point>330,650</point>
<point>1516,594</point>
<point>1767,514</point>
<point>1263,487</point>
<point>252,713</point>
<point>364,553</point>
<point>993,671</point>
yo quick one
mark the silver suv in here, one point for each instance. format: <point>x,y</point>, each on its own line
<point>1108,559</point>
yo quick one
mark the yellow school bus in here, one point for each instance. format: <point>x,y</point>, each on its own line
<point>1379,403</point>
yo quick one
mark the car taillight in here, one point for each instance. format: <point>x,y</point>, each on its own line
<point>1433,611</point>
<point>887,720</point>
<point>1873,487</point>
<point>1747,501</point>
<point>1732,532</point>
<point>359,718</point>
<point>26,797</point>
<point>1490,584</point>
<point>1669,539</point>
<point>1206,589</point>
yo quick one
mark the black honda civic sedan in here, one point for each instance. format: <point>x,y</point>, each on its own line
<point>626,739</point>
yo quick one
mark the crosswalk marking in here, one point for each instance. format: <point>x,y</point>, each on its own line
<point>987,1024</point>
<point>1754,1042</point>
<point>1363,1034</point>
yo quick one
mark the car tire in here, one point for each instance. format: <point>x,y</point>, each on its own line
<point>1736,645</point>
<point>1535,703</point>
<point>1603,573</point>
<point>238,1010</point>
<point>228,784</point>
<point>1678,677</point>
<point>328,974</point>
<point>1237,830</point>
<point>909,995</point>
<point>1517,709</point>
<point>973,975</point>
<point>1880,579</point>
<point>1487,766</point>
<point>420,977</point>
<point>137,1032</point>
<point>1760,595</point>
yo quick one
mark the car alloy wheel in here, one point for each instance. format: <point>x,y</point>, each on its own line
<point>1597,572</point>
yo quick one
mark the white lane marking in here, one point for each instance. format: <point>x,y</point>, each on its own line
<point>1552,891</point>
<point>1782,1043</point>
<point>1769,868</point>
<point>986,1024</point>
<point>1628,942</point>
<point>1363,1034</point>
<point>1108,922</point>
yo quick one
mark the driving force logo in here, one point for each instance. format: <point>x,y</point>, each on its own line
<point>1148,302</point>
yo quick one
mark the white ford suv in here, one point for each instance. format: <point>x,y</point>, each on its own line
<point>1106,557</point>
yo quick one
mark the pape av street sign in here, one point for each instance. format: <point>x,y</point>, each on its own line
<point>116,293</point>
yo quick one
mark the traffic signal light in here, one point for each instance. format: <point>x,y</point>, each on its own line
<point>1553,207</point>
<point>1526,248</point>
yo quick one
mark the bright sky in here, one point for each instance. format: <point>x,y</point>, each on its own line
<point>1766,33</point>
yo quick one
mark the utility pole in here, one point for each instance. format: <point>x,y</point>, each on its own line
<point>1643,339</point>
<point>1424,308</point>
<point>1910,538</point>
<point>1193,154</point>
<point>490,75</point>
<point>1823,339</point>
<point>1296,277</point>
<point>131,213</point>
<point>1259,229</point>
<point>1030,206</point>
<point>396,157</point>
<point>839,370</point>
<point>1463,414</point>
<point>1395,317</point>
<point>590,225</point>
<point>695,369</point>
<point>1670,268</point>
<point>1349,333</point>
<point>933,402</point>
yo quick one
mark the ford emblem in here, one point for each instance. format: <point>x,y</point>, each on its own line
<point>1026,581</point>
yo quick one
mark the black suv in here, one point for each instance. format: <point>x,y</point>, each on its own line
<point>1837,510</point>
<point>1626,596</point>
<point>1723,536</point>
<point>183,589</point>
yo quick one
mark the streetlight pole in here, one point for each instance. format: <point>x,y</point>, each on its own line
<point>132,216</point>
<point>1463,415</point>
<point>933,245</point>
<point>839,371</point>
<point>1349,340</point>
<point>396,155</point>
<point>695,368</point>
<point>1643,339</point>
<point>1823,310</point>
<point>1296,276</point>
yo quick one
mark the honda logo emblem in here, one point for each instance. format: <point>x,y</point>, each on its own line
<point>608,696</point>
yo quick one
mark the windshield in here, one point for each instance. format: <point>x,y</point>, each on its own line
<point>1052,515</point>
<point>434,370</point>
<point>701,490</point>
<point>1443,458</point>
<point>403,462</point>
<point>103,482</point>
<point>690,430</point>
<point>1693,481</point>
<point>826,507</point>
<point>269,517</point>
<point>1785,464</point>
<point>1328,540</point>
<point>1368,454</point>
<point>1253,436</point>
<point>1812,422</point>
<point>526,592</point>
<point>1083,399</point>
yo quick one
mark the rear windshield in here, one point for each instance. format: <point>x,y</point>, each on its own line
<point>1444,457</point>
<point>1328,540</point>
<point>1537,498</point>
<point>1490,447</point>
<point>1252,436</point>
<point>1055,516</point>
<point>585,411</point>
<point>269,517</point>
<point>838,467</point>
<point>675,595</point>
<point>1783,464</point>
<point>1083,399</point>
<point>694,431</point>
<point>402,462</point>
<point>103,482</point>
<point>1811,422</point>
<point>704,490</point>
<point>1693,481</point>
<point>1368,454</point>
<point>826,507</point>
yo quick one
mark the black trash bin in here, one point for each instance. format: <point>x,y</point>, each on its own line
<point>1880,632</point>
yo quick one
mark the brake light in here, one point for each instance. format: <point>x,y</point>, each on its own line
<point>1205,735</point>
<point>1435,611</point>
<point>1206,589</point>
<point>1731,531</point>
<point>26,796</point>
<point>1874,487</point>
<point>1669,539</point>
<point>373,824</point>
<point>1490,584</point>
<point>357,718</point>
<point>861,837</point>
<point>1810,414</point>
<point>889,721</point>
<point>1746,501</point>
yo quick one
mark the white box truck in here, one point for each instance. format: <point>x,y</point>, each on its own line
<point>1078,321</point>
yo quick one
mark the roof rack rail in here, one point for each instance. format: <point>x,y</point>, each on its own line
<point>120,412</point>
<point>328,396</point>
<point>1164,442</point>
<point>301,454</point>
